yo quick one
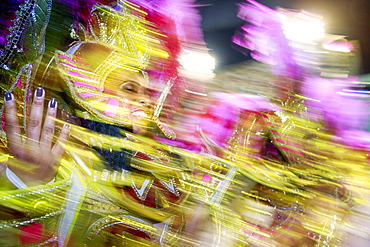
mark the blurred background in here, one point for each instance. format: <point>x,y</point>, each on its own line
<point>341,17</point>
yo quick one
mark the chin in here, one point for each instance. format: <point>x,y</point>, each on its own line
<point>139,130</point>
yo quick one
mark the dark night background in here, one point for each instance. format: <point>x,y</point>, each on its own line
<point>343,17</point>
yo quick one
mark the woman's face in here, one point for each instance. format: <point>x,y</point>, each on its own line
<point>133,88</point>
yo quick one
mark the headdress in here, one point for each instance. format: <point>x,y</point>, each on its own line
<point>22,44</point>
<point>121,37</point>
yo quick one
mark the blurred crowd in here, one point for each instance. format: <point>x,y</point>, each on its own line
<point>109,138</point>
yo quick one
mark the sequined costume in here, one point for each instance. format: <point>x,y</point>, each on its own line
<point>137,187</point>
<point>296,184</point>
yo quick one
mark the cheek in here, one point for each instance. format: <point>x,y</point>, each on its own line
<point>125,97</point>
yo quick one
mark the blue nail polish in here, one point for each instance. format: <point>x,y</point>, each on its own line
<point>52,103</point>
<point>8,96</point>
<point>68,124</point>
<point>39,92</point>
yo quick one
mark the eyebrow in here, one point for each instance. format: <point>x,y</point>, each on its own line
<point>129,81</point>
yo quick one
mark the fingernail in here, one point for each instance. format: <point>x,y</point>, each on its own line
<point>52,103</point>
<point>67,125</point>
<point>8,96</point>
<point>39,92</point>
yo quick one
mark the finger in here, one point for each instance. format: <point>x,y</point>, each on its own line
<point>49,124</point>
<point>13,132</point>
<point>34,124</point>
<point>58,148</point>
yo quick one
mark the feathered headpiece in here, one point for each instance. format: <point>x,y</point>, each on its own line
<point>135,35</point>
<point>112,39</point>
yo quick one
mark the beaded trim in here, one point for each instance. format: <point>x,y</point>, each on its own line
<point>65,65</point>
<point>144,189</point>
<point>128,33</point>
<point>14,223</point>
<point>171,186</point>
<point>111,176</point>
<point>21,23</point>
<point>47,242</point>
<point>134,222</point>
<point>222,173</point>
<point>154,159</point>
<point>97,203</point>
<point>37,192</point>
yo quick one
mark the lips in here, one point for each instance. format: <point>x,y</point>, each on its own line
<point>139,112</point>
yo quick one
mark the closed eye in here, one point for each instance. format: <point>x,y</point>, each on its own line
<point>130,87</point>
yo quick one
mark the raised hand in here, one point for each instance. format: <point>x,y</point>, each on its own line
<point>33,157</point>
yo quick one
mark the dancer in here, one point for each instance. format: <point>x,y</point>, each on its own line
<point>136,187</point>
<point>296,183</point>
